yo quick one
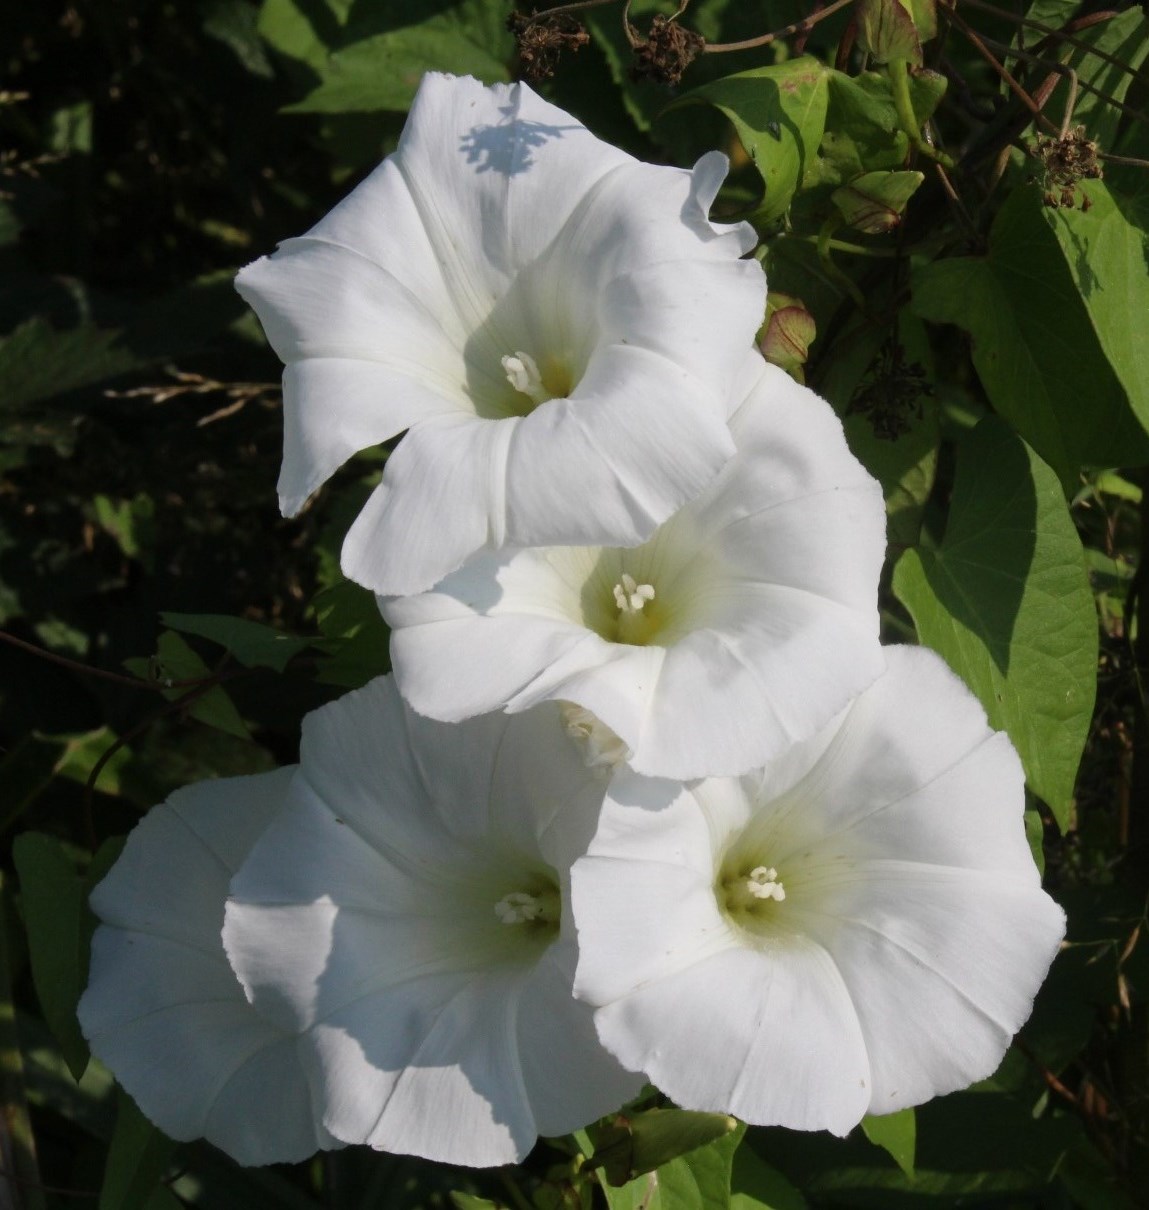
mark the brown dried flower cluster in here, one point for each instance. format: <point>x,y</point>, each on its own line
<point>542,39</point>
<point>666,52</point>
<point>1067,160</point>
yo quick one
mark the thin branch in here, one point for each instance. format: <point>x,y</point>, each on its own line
<point>798,27</point>
<point>117,678</point>
<point>174,706</point>
<point>1060,36</point>
<point>562,9</point>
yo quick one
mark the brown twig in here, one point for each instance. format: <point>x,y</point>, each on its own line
<point>798,27</point>
<point>117,678</point>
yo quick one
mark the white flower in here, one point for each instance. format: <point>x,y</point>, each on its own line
<point>408,914</point>
<point>855,928</point>
<point>163,1009</point>
<point>553,321</point>
<point>746,622</point>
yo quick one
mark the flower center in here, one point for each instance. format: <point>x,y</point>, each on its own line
<point>551,381</point>
<point>524,907</point>
<point>748,896</point>
<point>635,624</point>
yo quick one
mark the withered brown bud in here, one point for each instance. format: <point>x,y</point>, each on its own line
<point>667,52</point>
<point>541,39</point>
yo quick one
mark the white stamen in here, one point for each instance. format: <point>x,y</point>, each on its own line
<point>763,884</point>
<point>630,596</point>
<point>522,373</point>
<point>518,907</point>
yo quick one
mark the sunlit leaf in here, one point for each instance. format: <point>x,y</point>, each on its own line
<point>1034,344</point>
<point>1005,600</point>
<point>895,1133</point>
<point>779,113</point>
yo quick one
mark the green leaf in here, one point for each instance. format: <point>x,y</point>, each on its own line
<point>1125,38</point>
<point>233,22</point>
<point>875,201</point>
<point>175,661</point>
<point>253,644</point>
<point>905,468</point>
<point>355,636</point>
<point>886,31</point>
<point>304,31</point>
<point>698,1180</point>
<point>1005,600</point>
<point>1107,257</point>
<point>779,114</point>
<point>137,1160</point>
<point>633,1143</point>
<point>1035,347</point>
<point>755,1185</point>
<point>381,71</point>
<point>53,900</point>
<point>895,1133</point>
<point>37,361</point>
<point>468,1201</point>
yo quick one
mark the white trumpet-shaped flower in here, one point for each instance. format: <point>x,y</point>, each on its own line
<point>163,1008</point>
<point>744,624</point>
<point>855,928</point>
<point>553,322</point>
<point>408,915</point>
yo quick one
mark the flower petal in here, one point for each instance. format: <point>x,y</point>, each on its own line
<point>163,1008</point>
<point>771,1037</point>
<point>581,468</point>
<point>908,749</point>
<point>441,492</point>
<point>365,404</point>
<point>772,667</point>
<point>573,1083</point>
<point>942,965</point>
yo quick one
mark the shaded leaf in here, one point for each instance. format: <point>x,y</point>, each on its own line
<point>1034,345</point>
<point>37,361</point>
<point>175,661</point>
<point>138,1157</point>
<point>53,901</point>
<point>355,636</point>
<point>1005,600</point>
<point>253,644</point>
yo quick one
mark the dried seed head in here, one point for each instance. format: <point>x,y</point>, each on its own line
<point>1067,161</point>
<point>541,39</point>
<point>667,52</point>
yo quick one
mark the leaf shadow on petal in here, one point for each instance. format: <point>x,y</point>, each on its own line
<point>507,148</point>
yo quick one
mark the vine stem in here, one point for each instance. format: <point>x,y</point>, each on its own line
<point>899,73</point>
<point>798,27</point>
